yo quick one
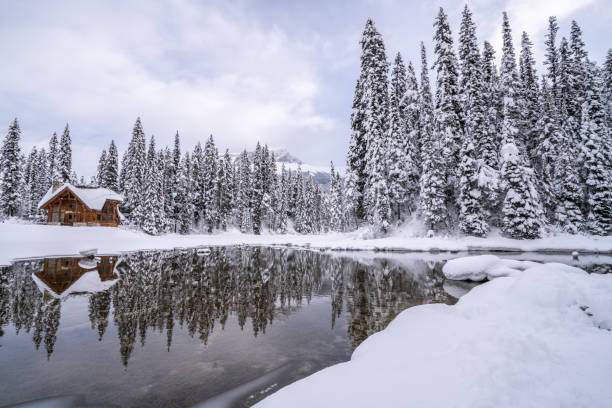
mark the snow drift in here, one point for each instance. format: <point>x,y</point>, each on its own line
<point>539,338</point>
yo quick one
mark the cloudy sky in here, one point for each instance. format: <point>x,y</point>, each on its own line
<point>281,72</point>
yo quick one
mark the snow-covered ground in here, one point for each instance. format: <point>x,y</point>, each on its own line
<point>18,240</point>
<point>538,338</point>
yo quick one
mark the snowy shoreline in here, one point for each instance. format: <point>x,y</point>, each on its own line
<point>539,337</point>
<point>19,241</point>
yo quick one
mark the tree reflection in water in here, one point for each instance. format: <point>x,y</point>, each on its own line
<point>197,289</point>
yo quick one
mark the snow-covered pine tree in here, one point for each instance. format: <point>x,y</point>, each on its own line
<point>210,174</point>
<point>550,139</point>
<point>472,212</point>
<point>40,179</point>
<point>112,168</point>
<point>65,156</point>
<point>595,157</point>
<point>308,216</point>
<point>175,175</point>
<point>257,193</point>
<point>413,132</point>
<point>53,158</point>
<point>471,84</point>
<point>101,171</point>
<point>335,210</point>
<point>10,171</point>
<point>521,208</point>
<point>184,197</point>
<point>27,206</point>
<point>399,157</point>
<point>528,101</point>
<point>368,119</point>
<point>489,146</point>
<point>134,166</point>
<point>551,60</point>
<point>568,191</point>
<point>577,76</point>
<point>607,83</point>
<point>282,201</point>
<point>224,190</point>
<point>432,195</point>
<point>299,223</point>
<point>448,120</point>
<point>243,193</point>
<point>197,178</point>
<point>153,216</point>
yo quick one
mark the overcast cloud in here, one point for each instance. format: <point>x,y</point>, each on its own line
<point>274,71</point>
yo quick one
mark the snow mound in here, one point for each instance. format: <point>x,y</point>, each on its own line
<point>481,267</point>
<point>540,338</point>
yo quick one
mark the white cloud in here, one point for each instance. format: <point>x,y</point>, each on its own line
<point>197,69</point>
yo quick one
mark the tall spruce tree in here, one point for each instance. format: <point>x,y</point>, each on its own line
<point>521,205</point>
<point>528,99</point>
<point>472,212</point>
<point>595,157</point>
<point>399,156</point>
<point>101,170</point>
<point>210,184</point>
<point>413,133</point>
<point>134,166</point>
<point>10,171</point>
<point>551,60</point>
<point>111,180</point>
<point>368,122</point>
<point>447,114</point>
<point>489,145</point>
<point>53,158</point>
<point>432,196</point>
<point>65,156</point>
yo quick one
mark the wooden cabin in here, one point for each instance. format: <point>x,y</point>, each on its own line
<point>78,206</point>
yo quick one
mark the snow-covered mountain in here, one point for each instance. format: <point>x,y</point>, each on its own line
<point>320,174</point>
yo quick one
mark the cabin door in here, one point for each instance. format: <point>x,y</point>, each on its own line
<point>68,217</point>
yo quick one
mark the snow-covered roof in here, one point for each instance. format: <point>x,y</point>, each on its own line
<point>94,198</point>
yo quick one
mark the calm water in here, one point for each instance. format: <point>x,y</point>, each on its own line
<point>177,328</point>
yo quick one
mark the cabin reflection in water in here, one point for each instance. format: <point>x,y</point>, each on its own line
<point>59,274</point>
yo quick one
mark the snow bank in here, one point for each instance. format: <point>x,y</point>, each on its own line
<point>480,267</point>
<point>540,338</point>
<point>19,240</point>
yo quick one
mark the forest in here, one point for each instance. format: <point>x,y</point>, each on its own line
<point>481,148</point>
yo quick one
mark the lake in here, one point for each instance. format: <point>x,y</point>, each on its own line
<point>219,326</point>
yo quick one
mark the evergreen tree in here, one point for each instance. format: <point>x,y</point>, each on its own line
<point>368,121</point>
<point>472,214</point>
<point>471,84</point>
<point>65,156</point>
<point>197,178</point>
<point>489,145</point>
<point>432,179</point>
<point>528,100</point>
<point>568,192</point>
<point>283,202</point>
<point>521,208</point>
<point>552,57</point>
<point>53,158</point>
<point>101,175</point>
<point>153,221</point>
<point>111,174</point>
<point>595,158</point>
<point>210,184</point>
<point>607,83</point>
<point>413,131</point>
<point>10,171</point>
<point>336,210</point>
<point>225,189</point>
<point>399,155</point>
<point>447,115</point>
<point>184,197</point>
<point>134,166</point>
<point>243,193</point>
<point>258,190</point>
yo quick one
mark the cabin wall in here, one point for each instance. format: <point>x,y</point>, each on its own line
<point>67,209</point>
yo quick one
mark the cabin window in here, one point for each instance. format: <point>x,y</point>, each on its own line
<point>69,216</point>
<point>73,206</point>
<point>104,217</point>
<point>98,217</point>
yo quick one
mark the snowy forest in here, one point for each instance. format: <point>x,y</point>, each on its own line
<point>482,148</point>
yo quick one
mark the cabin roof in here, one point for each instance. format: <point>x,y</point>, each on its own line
<point>94,198</point>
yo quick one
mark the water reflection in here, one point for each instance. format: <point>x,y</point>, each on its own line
<point>199,288</point>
